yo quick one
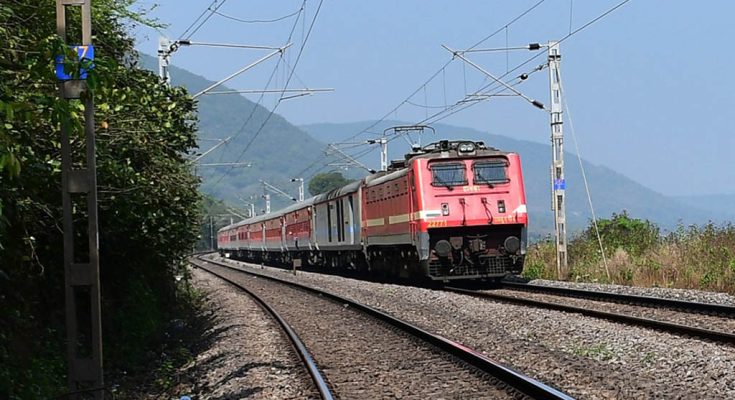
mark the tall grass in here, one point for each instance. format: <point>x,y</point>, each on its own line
<point>638,254</point>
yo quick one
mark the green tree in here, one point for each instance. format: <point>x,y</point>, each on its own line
<point>148,199</point>
<point>324,182</point>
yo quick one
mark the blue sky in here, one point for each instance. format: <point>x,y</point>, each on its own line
<point>649,86</point>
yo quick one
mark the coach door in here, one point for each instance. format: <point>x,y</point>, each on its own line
<point>350,222</point>
<point>340,220</point>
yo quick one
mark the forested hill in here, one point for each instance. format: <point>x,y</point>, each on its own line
<point>282,150</point>
<point>279,151</point>
<point>611,191</point>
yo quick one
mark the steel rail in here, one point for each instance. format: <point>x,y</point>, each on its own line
<point>525,384</point>
<point>723,337</point>
<point>689,306</point>
<point>308,360</point>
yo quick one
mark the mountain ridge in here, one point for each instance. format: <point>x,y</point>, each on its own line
<point>283,150</point>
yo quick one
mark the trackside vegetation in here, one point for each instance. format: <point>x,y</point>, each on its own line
<point>692,257</point>
<point>149,205</point>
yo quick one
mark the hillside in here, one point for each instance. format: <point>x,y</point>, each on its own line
<point>718,204</point>
<point>611,191</point>
<point>281,149</point>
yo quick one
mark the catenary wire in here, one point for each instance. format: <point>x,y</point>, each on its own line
<point>484,90</point>
<point>273,110</point>
<point>204,21</point>
<point>267,85</point>
<point>257,21</point>
<point>441,70</point>
<point>198,18</point>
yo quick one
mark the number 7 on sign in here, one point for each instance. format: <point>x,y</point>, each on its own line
<point>83,53</point>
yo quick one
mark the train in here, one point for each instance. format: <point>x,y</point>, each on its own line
<point>448,211</point>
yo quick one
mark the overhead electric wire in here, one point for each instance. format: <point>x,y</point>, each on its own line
<point>267,85</point>
<point>273,110</point>
<point>484,90</point>
<point>258,21</point>
<point>441,70</point>
<point>211,12</point>
<point>198,18</point>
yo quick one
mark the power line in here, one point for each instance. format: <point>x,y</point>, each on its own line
<point>258,21</point>
<point>201,24</point>
<point>441,70</point>
<point>273,110</point>
<point>198,18</point>
<point>267,85</point>
<point>484,90</point>
<point>462,105</point>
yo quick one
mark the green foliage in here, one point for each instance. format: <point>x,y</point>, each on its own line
<point>324,182</point>
<point>697,257</point>
<point>148,199</point>
<point>535,266</point>
<point>635,236</point>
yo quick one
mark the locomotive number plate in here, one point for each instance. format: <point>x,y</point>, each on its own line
<point>436,224</point>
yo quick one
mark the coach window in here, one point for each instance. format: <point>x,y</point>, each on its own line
<point>490,172</point>
<point>448,174</point>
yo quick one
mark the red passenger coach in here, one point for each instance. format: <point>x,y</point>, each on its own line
<point>451,210</point>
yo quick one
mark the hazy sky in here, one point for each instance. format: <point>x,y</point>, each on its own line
<point>650,86</point>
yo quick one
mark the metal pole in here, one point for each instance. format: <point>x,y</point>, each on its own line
<point>301,187</point>
<point>81,271</point>
<point>558,182</point>
<point>384,154</point>
<point>211,232</point>
<point>383,142</point>
<point>241,70</point>
<point>215,147</point>
<point>164,46</point>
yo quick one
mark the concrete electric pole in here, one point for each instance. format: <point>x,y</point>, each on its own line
<point>79,185</point>
<point>301,187</point>
<point>558,182</point>
<point>383,142</point>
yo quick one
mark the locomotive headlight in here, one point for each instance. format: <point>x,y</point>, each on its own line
<point>466,147</point>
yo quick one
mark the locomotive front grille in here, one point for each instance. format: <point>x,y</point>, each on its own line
<point>489,266</point>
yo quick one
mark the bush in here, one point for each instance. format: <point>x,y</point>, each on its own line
<point>148,198</point>
<point>637,254</point>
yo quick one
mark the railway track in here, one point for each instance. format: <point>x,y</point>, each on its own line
<point>688,306</point>
<point>317,378</point>
<point>672,316</point>
<point>366,353</point>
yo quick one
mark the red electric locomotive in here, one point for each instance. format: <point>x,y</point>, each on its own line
<point>450,210</point>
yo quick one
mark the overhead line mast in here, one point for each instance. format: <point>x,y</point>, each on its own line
<point>558,181</point>
<point>79,186</point>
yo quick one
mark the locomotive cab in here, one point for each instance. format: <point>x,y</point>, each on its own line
<point>472,211</point>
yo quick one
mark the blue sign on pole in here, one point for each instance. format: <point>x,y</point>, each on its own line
<point>83,53</point>
<point>560,184</point>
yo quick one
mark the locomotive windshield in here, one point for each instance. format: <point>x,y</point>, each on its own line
<point>448,174</point>
<point>490,172</point>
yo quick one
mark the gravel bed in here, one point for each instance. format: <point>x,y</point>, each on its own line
<point>586,357</point>
<point>248,356</point>
<point>722,324</point>
<point>363,358</point>
<point>666,293</point>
